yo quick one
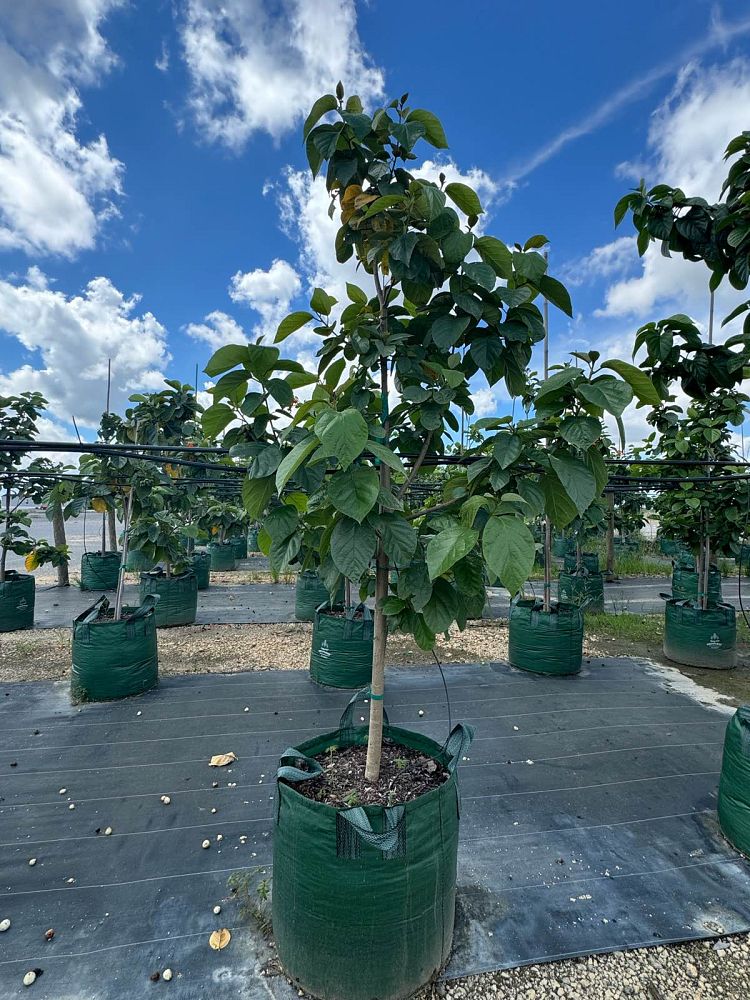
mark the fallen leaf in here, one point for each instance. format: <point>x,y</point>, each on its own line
<point>220,939</point>
<point>220,759</point>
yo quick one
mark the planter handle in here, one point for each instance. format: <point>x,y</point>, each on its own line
<point>289,770</point>
<point>460,739</point>
<point>347,718</point>
<point>149,602</point>
<point>359,822</point>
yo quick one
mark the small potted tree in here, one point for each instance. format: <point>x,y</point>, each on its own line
<point>222,518</point>
<point>159,535</point>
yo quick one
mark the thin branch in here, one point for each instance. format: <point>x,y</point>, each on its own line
<point>431,510</point>
<point>415,468</point>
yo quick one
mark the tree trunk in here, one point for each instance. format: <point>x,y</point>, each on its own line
<point>104,532</point>
<point>112,529</point>
<point>706,574</point>
<point>546,600</point>
<point>4,553</point>
<point>58,535</point>
<point>121,580</point>
<point>611,537</point>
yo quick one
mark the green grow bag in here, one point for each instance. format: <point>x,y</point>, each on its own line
<point>360,914</point>
<point>17,594</point>
<point>222,556</point>
<point>200,563</point>
<point>178,597</point>
<point>675,549</point>
<point>734,784</point>
<point>585,590</point>
<point>239,544</point>
<point>114,659</point>
<point>310,592</point>
<point>700,638</point>
<point>100,570</point>
<point>629,544</point>
<point>561,547</point>
<point>550,643</point>
<point>252,540</point>
<point>137,562</point>
<point>341,653</point>
<point>589,561</point>
<point>685,585</point>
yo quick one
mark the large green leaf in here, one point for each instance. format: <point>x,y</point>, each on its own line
<point>342,434</point>
<point>557,503</point>
<point>606,392</point>
<point>638,380</point>
<point>266,462</point>
<point>440,611</point>
<point>255,495</point>
<point>447,547</point>
<point>447,329</point>
<point>508,549</point>
<point>293,460</point>
<point>496,254</point>
<point>433,130</point>
<point>282,522</point>
<point>595,464</point>
<point>558,381</point>
<point>352,547</point>
<point>465,197</point>
<point>507,448</point>
<point>398,536</point>
<point>556,293</point>
<point>225,358</point>
<point>321,107</point>
<point>581,432</point>
<point>576,479</point>
<point>290,324</point>
<point>215,418</point>
<point>386,456</point>
<point>354,491</point>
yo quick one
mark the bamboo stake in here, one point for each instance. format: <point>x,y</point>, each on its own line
<point>546,599</point>
<point>121,578</point>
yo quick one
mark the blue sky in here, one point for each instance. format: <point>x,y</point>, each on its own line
<point>154,201</point>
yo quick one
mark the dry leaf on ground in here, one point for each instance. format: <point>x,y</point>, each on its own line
<point>220,939</point>
<point>220,759</point>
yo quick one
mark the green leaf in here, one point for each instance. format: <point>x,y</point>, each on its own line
<point>386,456</point>
<point>352,547</point>
<point>281,391</point>
<point>576,480</point>
<point>606,392</point>
<point>447,330</point>
<point>555,292</point>
<point>496,254</point>
<point>354,491</point>
<point>293,460</point>
<point>321,107</point>
<point>226,358</point>
<point>290,324</point>
<point>251,402</point>
<point>595,464</point>
<point>581,432</point>
<point>508,549</point>
<point>356,294</point>
<point>558,381</point>
<point>299,379</point>
<point>507,448</point>
<point>398,536</point>
<point>282,522</point>
<point>342,434</point>
<point>422,635</point>
<point>321,302</point>
<point>465,198</point>
<point>557,503</point>
<point>265,462</point>
<point>440,611</point>
<point>638,380</point>
<point>433,130</point>
<point>447,547</point>
<point>482,274</point>
<point>255,495</point>
<point>215,418</point>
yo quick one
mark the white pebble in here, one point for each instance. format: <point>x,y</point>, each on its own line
<point>420,713</point>
<point>138,713</point>
<point>4,925</point>
<point>219,836</point>
<point>32,862</point>
<point>246,709</point>
<point>72,805</point>
<point>62,791</point>
<point>217,910</point>
<point>108,832</point>
<point>29,978</point>
<point>167,974</point>
<point>166,799</point>
<point>214,809</point>
<point>206,843</point>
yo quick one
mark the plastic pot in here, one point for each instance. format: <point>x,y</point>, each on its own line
<point>545,642</point>
<point>222,556</point>
<point>200,563</point>
<point>700,638</point>
<point>114,659</point>
<point>178,597</point>
<point>584,590</point>
<point>100,570</point>
<point>589,561</point>
<point>734,784</point>
<point>686,586</point>
<point>341,651</point>
<point>364,899</point>
<point>17,595</point>
<point>310,592</point>
<point>239,544</point>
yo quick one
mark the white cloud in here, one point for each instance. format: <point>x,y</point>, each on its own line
<point>269,293</point>
<point>258,67</point>
<point>55,190</point>
<point>217,330</point>
<point>606,261</point>
<point>74,336</point>
<point>162,61</point>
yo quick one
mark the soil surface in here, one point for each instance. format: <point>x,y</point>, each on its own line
<point>405,774</point>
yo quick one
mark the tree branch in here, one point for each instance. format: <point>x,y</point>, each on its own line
<point>431,510</point>
<point>415,468</point>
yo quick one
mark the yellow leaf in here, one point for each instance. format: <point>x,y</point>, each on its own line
<point>172,471</point>
<point>99,505</point>
<point>220,759</point>
<point>31,561</point>
<point>220,939</point>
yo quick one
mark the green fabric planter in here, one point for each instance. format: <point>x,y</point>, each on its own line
<point>114,659</point>
<point>200,563</point>
<point>222,557</point>
<point>178,597</point>
<point>676,550</point>
<point>561,547</point>
<point>137,562</point>
<point>589,561</point>
<point>100,570</point>
<point>550,643</point>
<point>365,911</point>
<point>341,652</point>
<point>17,595</point>
<point>585,591</point>
<point>734,784</point>
<point>252,540</point>
<point>629,544</point>
<point>700,638</point>
<point>239,544</point>
<point>685,585</point>
<point>310,592</point>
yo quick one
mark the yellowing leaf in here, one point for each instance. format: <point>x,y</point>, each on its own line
<point>220,939</point>
<point>221,759</point>
<point>98,505</point>
<point>172,471</point>
<point>31,561</point>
